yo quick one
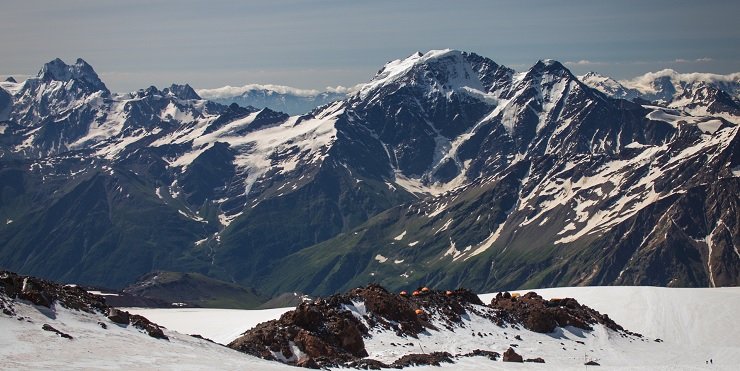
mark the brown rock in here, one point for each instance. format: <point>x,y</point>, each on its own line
<point>308,362</point>
<point>312,345</point>
<point>151,328</point>
<point>119,316</point>
<point>434,359</point>
<point>350,338</point>
<point>47,327</point>
<point>493,356</point>
<point>511,356</point>
<point>539,315</point>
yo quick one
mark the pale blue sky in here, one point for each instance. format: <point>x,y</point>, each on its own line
<point>319,43</point>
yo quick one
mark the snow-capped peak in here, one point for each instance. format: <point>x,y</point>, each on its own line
<point>445,69</point>
<point>57,70</point>
<point>608,86</point>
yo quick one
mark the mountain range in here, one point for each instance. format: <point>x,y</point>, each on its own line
<point>275,97</point>
<point>445,169</point>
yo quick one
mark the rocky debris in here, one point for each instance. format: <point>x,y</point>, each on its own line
<point>48,327</point>
<point>331,331</point>
<point>535,360</point>
<point>493,356</point>
<point>540,315</point>
<point>118,316</point>
<point>45,293</point>
<point>151,328</point>
<point>511,356</point>
<point>201,337</point>
<point>433,359</point>
<point>408,360</point>
<point>308,363</point>
<point>592,363</point>
<point>367,364</point>
<point>6,307</point>
<point>322,332</point>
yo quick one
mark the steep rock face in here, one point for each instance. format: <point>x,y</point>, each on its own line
<point>703,99</point>
<point>558,184</point>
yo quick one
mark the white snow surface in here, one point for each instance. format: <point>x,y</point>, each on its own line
<point>25,346</point>
<point>695,325</point>
<point>219,325</point>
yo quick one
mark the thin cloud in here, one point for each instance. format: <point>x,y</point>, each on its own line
<point>697,60</point>
<point>585,62</point>
<point>344,89</point>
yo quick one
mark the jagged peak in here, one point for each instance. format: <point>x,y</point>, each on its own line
<point>549,65</point>
<point>182,91</point>
<point>58,70</point>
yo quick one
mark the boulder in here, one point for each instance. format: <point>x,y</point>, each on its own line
<point>511,356</point>
<point>48,327</point>
<point>433,359</point>
<point>535,360</point>
<point>119,316</point>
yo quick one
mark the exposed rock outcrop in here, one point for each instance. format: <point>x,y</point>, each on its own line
<point>47,294</point>
<point>48,327</point>
<point>540,315</point>
<point>332,331</point>
<point>511,356</point>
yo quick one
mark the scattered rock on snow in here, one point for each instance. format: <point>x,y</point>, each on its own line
<point>493,356</point>
<point>48,327</point>
<point>511,356</point>
<point>535,360</point>
<point>433,359</point>
<point>118,316</point>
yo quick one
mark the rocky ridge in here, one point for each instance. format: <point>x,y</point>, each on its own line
<point>48,294</point>
<point>337,330</point>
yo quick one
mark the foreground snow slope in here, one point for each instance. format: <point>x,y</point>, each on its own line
<point>695,325</point>
<point>24,346</point>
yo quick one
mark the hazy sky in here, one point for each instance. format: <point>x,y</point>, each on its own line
<point>319,43</point>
